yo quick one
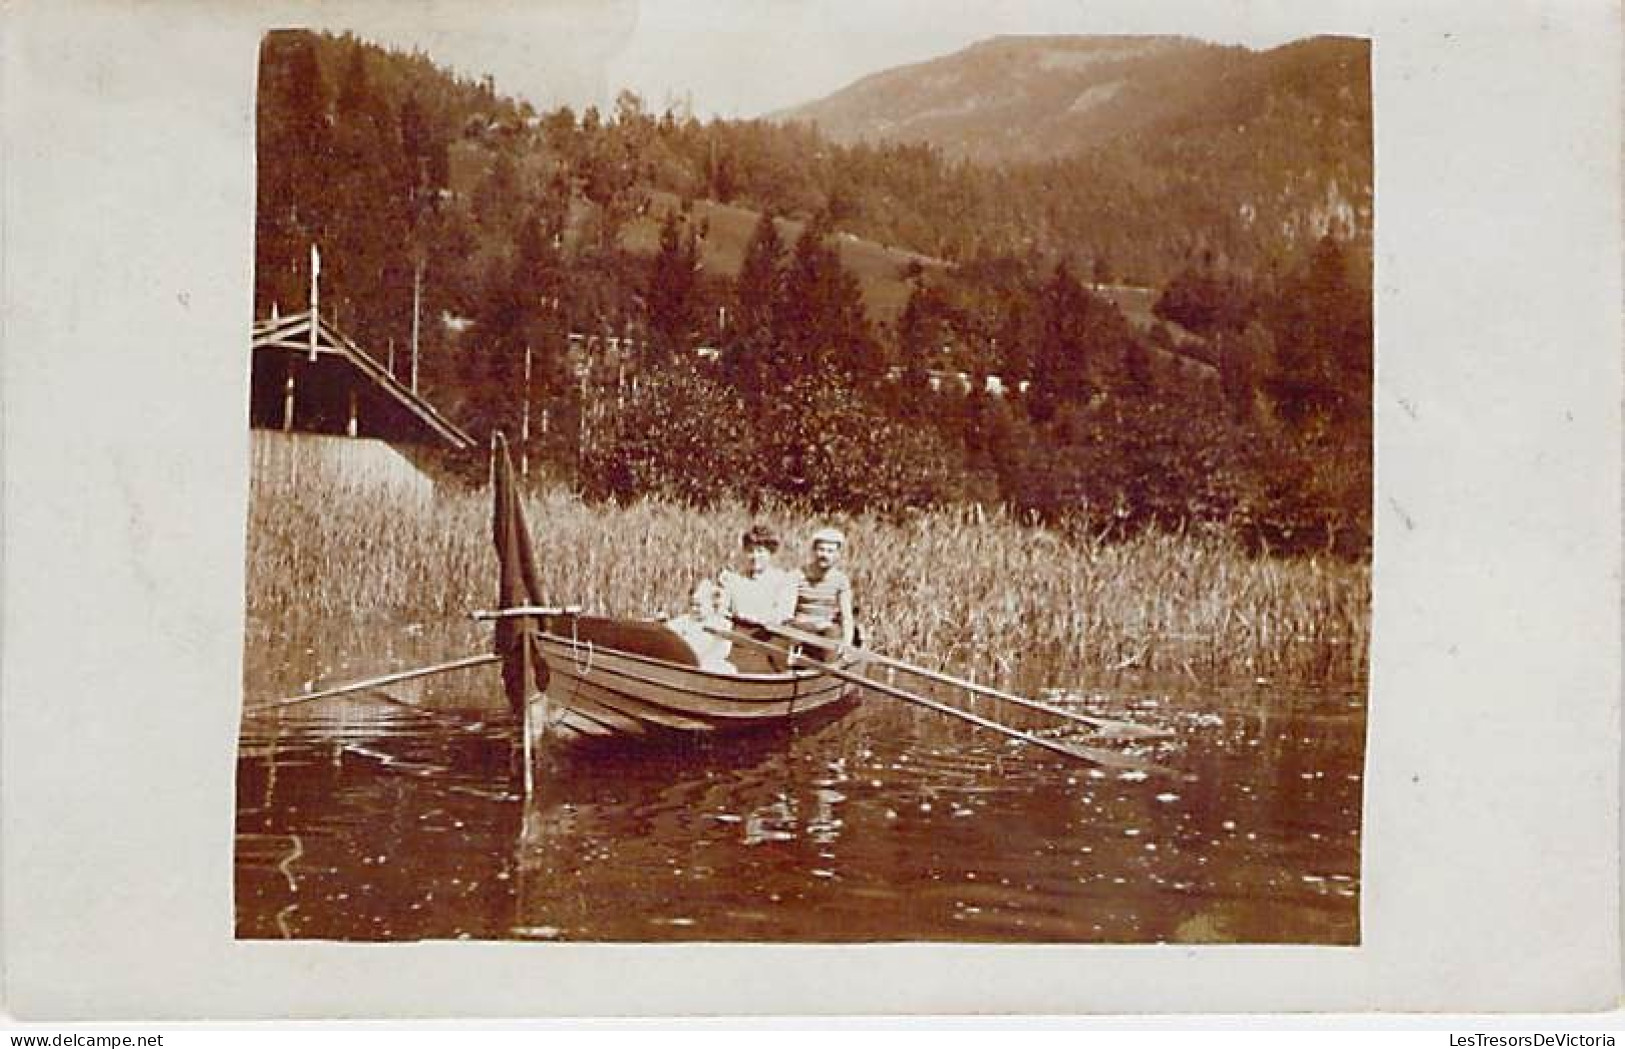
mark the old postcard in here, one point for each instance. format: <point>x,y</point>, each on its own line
<point>618,502</point>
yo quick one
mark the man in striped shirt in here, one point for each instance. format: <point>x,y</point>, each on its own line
<point>824,592</point>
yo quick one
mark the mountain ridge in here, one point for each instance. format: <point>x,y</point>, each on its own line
<point>1033,98</point>
<point>1246,153</point>
<point>856,112</point>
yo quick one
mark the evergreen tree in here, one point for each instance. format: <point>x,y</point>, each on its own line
<point>1206,299</point>
<point>293,149</point>
<point>1061,362</point>
<point>497,199</point>
<point>672,289</point>
<point>515,318</point>
<point>1322,326</point>
<point>1016,340</point>
<point>749,342</point>
<point>425,153</point>
<point>757,288</point>
<point>916,344</point>
<point>819,320</point>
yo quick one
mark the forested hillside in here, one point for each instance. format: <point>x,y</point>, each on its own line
<point>1140,148</point>
<point>846,296</point>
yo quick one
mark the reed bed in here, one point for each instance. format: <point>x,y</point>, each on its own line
<point>977,593</point>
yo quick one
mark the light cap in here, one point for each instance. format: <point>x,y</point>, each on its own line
<point>829,535</point>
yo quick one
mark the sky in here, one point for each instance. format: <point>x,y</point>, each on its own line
<point>746,58</point>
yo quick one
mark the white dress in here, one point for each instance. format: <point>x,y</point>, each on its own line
<point>766,598</point>
<point>711,651</point>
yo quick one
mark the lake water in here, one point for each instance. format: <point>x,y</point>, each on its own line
<point>362,819</point>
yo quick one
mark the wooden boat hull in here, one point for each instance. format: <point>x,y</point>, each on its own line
<point>618,679</point>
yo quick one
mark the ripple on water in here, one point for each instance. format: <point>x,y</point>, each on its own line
<point>878,826</point>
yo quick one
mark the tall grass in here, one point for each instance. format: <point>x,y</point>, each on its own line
<point>978,593</point>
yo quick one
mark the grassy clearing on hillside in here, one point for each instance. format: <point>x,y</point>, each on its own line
<point>980,594</point>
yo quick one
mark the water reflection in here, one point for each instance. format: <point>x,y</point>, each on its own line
<point>362,819</point>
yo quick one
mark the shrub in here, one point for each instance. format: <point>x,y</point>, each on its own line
<point>823,445</point>
<point>685,435</point>
<point>679,434</point>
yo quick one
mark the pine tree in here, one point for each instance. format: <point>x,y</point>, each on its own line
<point>757,287</point>
<point>497,198</point>
<point>293,149</point>
<point>819,320</point>
<point>1322,327</point>
<point>750,335</point>
<point>1015,339</point>
<point>672,287</point>
<point>915,343</point>
<point>418,147</point>
<point>1061,357</point>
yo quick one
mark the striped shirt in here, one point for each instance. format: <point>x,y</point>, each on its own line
<point>818,602</point>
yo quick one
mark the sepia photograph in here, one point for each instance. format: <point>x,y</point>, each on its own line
<point>534,510</point>
<point>932,508</point>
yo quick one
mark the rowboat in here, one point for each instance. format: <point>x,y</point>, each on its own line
<point>581,676</point>
<point>636,679</point>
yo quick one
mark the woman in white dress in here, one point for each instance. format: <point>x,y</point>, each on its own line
<point>758,594</point>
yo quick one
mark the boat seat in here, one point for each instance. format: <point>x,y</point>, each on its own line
<point>639,637</point>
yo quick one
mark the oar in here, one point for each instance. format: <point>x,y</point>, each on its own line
<point>441,719</point>
<point>1093,755</point>
<point>386,679</point>
<point>1124,728</point>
